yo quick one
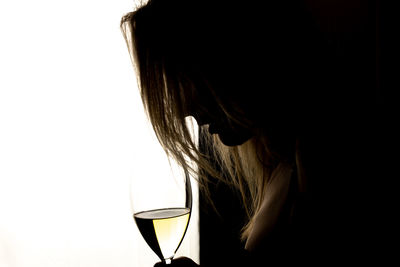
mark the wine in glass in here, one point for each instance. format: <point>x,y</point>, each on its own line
<point>162,209</point>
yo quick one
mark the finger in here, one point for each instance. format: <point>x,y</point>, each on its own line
<point>160,264</point>
<point>184,262</point>
<point>178,262</point>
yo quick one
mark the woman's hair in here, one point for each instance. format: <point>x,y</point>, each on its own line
<point>246,58</point>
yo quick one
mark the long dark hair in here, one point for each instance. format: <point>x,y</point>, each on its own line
<point>254,61</point>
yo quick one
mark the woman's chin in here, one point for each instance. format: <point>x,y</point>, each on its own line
<point>233,140</point>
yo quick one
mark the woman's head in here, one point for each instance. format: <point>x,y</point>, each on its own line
<point>233,66</point>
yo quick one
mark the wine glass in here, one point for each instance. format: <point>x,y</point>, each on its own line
<point>161,206</point>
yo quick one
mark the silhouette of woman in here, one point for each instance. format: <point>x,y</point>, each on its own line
<point>285,89</point>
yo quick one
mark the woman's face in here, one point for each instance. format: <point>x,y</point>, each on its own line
<point>206,110</point>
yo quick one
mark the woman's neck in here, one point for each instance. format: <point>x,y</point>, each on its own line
<point>275,196</point>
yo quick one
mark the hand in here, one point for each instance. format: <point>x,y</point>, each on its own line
<point>178,262</point>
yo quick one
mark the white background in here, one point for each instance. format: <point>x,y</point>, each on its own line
<point>72,135</point>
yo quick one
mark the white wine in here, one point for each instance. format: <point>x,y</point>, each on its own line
<point>163,229</point>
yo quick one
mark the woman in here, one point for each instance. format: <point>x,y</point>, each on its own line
<point>274,91</point>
